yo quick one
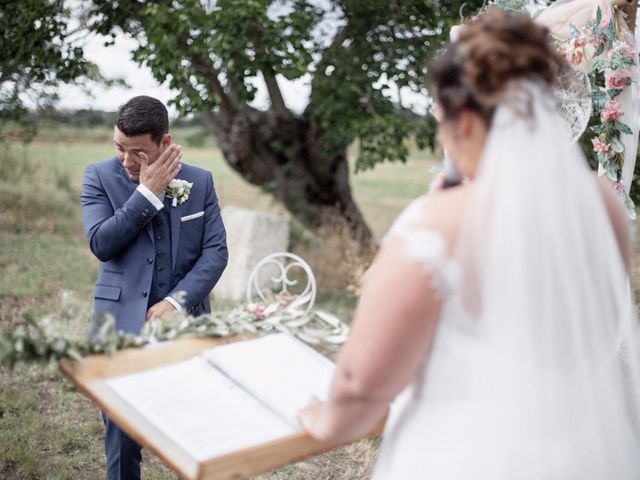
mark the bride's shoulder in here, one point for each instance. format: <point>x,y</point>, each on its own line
<point>440,212</point>
<point>443,209</point>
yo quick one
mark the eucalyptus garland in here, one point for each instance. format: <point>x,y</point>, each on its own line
<point>32,342</point>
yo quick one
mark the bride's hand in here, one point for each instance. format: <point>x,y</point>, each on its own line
<point>311,419</point>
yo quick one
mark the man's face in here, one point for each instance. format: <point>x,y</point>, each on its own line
<point>128,150</point>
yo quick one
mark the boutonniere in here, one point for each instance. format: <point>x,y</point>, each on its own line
<point>178,190</point>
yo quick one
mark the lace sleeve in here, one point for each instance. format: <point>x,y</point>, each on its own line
<point>423,245</point>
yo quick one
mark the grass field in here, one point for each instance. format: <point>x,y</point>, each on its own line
<point>47,429</point>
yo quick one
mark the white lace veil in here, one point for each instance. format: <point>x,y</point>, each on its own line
<point>551,307</point>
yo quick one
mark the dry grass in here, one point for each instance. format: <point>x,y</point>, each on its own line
<point>337,260</point>
<point>52,431</point>
<point>353,461</point>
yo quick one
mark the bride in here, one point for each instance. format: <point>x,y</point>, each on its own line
<point>497,316</point>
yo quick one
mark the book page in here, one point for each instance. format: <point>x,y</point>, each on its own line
<point>277,369</point>
<point>199,408</point>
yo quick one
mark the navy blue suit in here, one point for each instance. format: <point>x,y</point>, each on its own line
<point>145,255</point>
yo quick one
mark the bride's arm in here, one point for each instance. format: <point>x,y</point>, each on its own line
<point>391,332</point>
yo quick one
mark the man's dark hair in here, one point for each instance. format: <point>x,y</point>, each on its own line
<point>142,115</point>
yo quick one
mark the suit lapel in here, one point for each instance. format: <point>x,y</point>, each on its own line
<point>174,214</point>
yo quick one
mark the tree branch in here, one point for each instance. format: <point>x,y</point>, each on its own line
<point>275,95</point>
<point>204,66</point>
<point>277,101</point>
<point>228,103</point>
<point>337,41</point>
<point>210,118</point>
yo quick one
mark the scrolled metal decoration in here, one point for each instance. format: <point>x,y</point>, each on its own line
<point>284,263</point>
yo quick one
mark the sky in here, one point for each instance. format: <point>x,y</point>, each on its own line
<point>115,62</point>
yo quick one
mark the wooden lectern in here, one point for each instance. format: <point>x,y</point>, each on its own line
<point>91,374</point>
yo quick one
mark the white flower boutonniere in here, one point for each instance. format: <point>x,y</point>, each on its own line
<point>178,190</point>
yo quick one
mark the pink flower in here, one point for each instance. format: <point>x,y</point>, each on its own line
<point>604,24</point>
<point>624,48</point>
<point>617,186</point>
<point>599,146</point>
<point>258,311</point>
<point>576,57</point>
<point>597,41</point>
<point>616,79</point>
<point>577,42</point>
<point>573,55</point>
<point>611,111</point>
<point>594,40</point>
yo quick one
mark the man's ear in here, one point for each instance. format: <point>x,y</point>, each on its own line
<point>166,141</point>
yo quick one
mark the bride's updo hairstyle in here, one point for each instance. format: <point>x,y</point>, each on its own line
<point>474,71</point>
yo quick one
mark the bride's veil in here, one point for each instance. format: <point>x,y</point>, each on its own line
<point>550,305</point>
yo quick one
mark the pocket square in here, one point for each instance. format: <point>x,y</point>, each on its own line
<point>192,216</point>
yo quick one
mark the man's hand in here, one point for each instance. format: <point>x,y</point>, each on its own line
<point>157,176</point>
<point>160,309</point>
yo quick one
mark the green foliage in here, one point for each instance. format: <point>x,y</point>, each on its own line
<point>510,5</point>
<point>354,53</point>
<point>37,55</point>
<point>33,342</point>
<point>33,43</point>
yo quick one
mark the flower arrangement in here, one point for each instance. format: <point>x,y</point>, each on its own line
<point>34,342</point>
<point>179,190</point>
<point>610,59</point>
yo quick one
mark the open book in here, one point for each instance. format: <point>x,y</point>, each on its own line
<point>211,408</point>
<point>230,397</point>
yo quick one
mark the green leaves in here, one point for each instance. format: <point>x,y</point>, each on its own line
<point>510,5</point>
<point>354,52</point>
<point>616,145</point>
<point>381,47</point>
<point>36,57</point>
<point>382,138</point>
<point>623,127</point>
<point>32,343</point>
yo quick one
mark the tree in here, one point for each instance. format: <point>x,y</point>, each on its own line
<point>38,53</point>
<point>352,52</point>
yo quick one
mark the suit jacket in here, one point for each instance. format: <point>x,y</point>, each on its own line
<point>117,223</point>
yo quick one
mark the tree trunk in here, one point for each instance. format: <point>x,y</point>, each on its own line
<point>280,153</point>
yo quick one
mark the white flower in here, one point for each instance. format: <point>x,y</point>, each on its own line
<point>178,190</point>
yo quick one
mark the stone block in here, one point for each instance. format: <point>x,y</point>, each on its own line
<point>251,236</point>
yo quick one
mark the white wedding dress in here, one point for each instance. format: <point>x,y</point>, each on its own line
<point>533,371</point>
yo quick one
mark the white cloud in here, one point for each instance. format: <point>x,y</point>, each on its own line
<point>114,62</point>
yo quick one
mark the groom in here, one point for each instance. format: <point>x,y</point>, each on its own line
<point>160,250</point>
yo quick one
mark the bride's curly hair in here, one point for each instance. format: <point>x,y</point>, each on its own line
<point>473,72</point>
